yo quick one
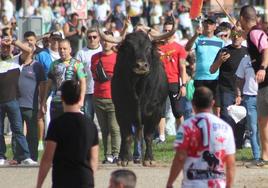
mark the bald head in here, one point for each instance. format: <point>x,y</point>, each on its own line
<point>65,49</point>
<point>248,13</point>
<point>203,98</point>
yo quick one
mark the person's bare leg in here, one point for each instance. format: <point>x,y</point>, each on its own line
<point>263,126</point>
<point>179,121</point>
<point>41,128</point>
<point>162,126</point>
<point>217,111</point>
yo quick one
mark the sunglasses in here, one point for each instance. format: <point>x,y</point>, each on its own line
<point>238,34</point>
<point>224,35</point>
<point>92,37</point>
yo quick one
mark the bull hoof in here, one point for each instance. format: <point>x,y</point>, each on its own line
<point>153,163</point>
<point>146,163</point>
<point>149,163</point>
<point>126,163</point>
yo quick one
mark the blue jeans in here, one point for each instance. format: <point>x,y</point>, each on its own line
<point>250,105</point>
<point>88,106</point>
<point>186,105</point>
<point>21,150</point>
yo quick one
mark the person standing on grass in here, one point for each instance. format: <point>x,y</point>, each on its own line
<point>204,146</point>
<point>257,41</point>
<point>71,144</point>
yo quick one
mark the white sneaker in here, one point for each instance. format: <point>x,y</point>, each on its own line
<point>28,161</point>
<point>2,162</point>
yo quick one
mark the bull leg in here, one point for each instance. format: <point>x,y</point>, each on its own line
<point>125,148</point>
<point>148,157</point>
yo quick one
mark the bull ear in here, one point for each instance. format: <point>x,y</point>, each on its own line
<point>164,35</point>
<point>109,38</point>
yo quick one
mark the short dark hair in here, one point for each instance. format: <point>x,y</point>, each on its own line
<point>73,15</point>
<point>169,20</point>
<point>65,41</point>
<point>249,13</point>
<point>92,29</point>
<point>70,92</point>
<point>29,34</point>
<point>127,177</point>
<point>202,98</point>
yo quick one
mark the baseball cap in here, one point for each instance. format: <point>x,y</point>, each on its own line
<point>237,113</point>
<point>56,35</point>
<point>211,19</point>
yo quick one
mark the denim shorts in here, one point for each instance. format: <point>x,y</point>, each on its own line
<point>262,102</point>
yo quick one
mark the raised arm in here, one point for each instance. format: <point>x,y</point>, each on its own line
<point>190,43</point>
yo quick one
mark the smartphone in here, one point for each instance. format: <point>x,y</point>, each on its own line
<point>224,50</point>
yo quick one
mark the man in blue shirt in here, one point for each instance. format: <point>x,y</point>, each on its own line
<point>206,46</point>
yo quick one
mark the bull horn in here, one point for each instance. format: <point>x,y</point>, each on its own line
<point>166,34</point>
<point>109,38</point>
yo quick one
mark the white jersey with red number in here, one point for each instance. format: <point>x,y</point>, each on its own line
<point>207,140</point>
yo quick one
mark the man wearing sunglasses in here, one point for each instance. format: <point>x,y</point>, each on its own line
<point>84,56</point>
<point>227,62</point>
<point>258,49</point>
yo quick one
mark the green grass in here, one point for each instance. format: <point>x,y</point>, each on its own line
<point>163,153</point>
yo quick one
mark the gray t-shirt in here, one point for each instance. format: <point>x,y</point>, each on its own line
<point>30,77</point>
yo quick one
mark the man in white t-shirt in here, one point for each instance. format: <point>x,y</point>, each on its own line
<point>84,55</point>
<point>204,146</point>
<point>246,79</point>
<point>102,11</point>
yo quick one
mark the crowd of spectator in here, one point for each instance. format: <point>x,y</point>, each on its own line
<point>72,48</point>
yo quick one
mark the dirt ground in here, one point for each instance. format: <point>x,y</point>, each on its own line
<point>25,177</point>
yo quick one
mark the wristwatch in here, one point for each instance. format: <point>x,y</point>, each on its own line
<point>183,85</point>
<point>262,67</point>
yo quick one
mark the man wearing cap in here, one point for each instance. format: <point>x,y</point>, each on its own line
<point>53,49</point>
<point>44,118</point>
<point>206,46</point>
<point>84,55</point>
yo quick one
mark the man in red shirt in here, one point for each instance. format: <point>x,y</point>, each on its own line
<point>103,103</point>
<point>173,57</point>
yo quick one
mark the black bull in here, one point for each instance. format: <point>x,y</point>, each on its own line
<point>139,92</point>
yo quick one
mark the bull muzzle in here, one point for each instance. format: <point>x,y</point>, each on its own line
<point>141,68</point>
